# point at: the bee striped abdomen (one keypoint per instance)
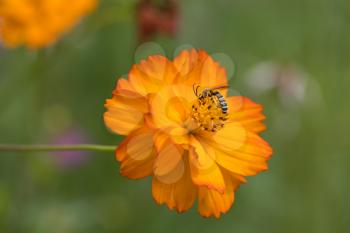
(222, 102)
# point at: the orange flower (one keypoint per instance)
(181, 132)
(38, 23)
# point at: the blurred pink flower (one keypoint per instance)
(70, 159)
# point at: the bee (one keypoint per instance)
(212, 92)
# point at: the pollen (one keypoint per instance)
(208, 113)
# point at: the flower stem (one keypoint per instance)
(72, 147)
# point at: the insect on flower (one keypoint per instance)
(210, 99)
(182, 129)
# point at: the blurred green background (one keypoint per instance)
(57, 95)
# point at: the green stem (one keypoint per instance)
(75, 147)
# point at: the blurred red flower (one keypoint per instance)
(156, 18)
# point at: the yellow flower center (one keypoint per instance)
(210, 111)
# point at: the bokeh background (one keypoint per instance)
(291, 56)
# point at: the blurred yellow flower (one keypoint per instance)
(196, 142)
(39, 23)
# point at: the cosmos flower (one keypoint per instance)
(39, 23)
(183, 130)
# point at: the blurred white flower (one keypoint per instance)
(293, 87)
(289, 80)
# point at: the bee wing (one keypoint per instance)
(220, 87)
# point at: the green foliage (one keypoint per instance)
(44, 94)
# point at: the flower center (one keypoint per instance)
(210, 110)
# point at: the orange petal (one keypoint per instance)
(179, 195)
(241, 152)
(246, 112)
(137, 154)
(120, 120)
(187, 60)
(204, 170)
(197, 67)
(177, 109)
(232, 136)
(125, 111)
(212, 74)
(160, 138)
(168, 159)
(213, 203)
(151, 74)
(236, 163)
(126, 102)
(170, 109)
(124, 87)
